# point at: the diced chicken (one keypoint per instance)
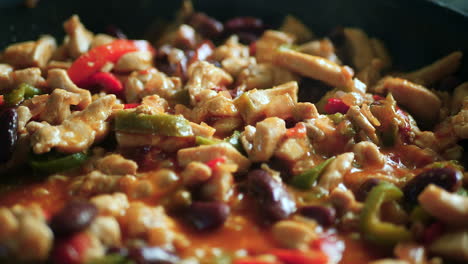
(452, 245)
(304, 111)
(134, 61)
(293, 234)
(420, 101)
(54, 64)
(344, 201)
(150, 82)
(278, 101)
(12, 79)
(25, 228)
(359, 47)
(79, 38)
(57, 107)
(94, 183)
(436, 71)
(24, 115)
(77, 132)
(293, 26)
(322, 48)
(111, 204)
(368, 154)
(205, 76)
(231, 49)
(266, 138)
(448, 207)
(335, 171)
(30, 53)
(140, 219)
(152, 104)
(293, 149)
(107, 230)
(207, 153)
(101, 39)
(115, 164)
(315, 67)
(202, 130)
(360, 120)
(459, 122)
(268, 44)
(58, 78)
(195, 173)
(458, 97)
(218, 106)
(219, 187)
(411, 252)
(264, 75)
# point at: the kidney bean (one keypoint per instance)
(8, 133)
(205, 25)
(272, 199)
(244, 24)
(152, 255)
(71, 250)
(337, 36)
(325, 216)
(247, 38)
(446, 178)
(74, 217)
(207, 215)
(365, 188)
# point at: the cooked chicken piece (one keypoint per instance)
(344, 201)
(359, 48)
(335, 171)
(134, 61)
(420, 101)
(231, 49)
(111, 204)
(115, 164)
(436, 71)
(268, 45)
(293, 234)
(150, 82)
(322, 48)
(411, 252)
(293, 26)
(219, 186)
(235, 66)
(218, 106)
(24, 115)
(205, 76)
(264, 75)
(266, 138)
(57, 106)
(278, 101)
(54, 64)
(107, 230)
(368, 154)
(5, 80)
(448, 207)
(152, 104)
(77, 132)
(458, 97)
(12, 79)
(25, 228)
(459, 122)
(205, 153)
(30, 53)
(58, 78)
(315, 67)
(360, 120)
(202, 130)
(195, 173)
(101, 39)
(95, 183)
(452, 245)
(79, 38)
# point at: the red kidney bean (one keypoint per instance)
(206, 25)
(446, 178)
(272, 199)
(325, 216)
(8, 133)
(365, 188)
(207, 215)
(152, 255)
(247, 38)
(71, 250)
(74, 217)
(244, 24)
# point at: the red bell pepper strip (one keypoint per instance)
(2, 101)
(297, 131)
(71, 250)
(92, 61)
(253, 261)
(106, 80)
(214, 163)
(336, 105)
(289, 256)
(130, 106)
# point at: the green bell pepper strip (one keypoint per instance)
(111, 259)
(372, 227)
(307, 179)
(22, 92)
(206, 141)
(235, 141)
(53, 162)
(158, 124)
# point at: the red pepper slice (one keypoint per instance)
(289, 256)
(336, 105)
(377, 97)
(130, 106)
(92, 61)
(297, 131)
(2, 101)
(253, 261)
(214, 163)
(108, 82)
(71, 250)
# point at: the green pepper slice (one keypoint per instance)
(206, 141)
(372, 227)
(158, 124)
(22, 92)
(235, 141)
(307, 179)
(111, 259)
(53, 162)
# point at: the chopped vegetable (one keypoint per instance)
(206, 141)
(111, 259)
(53, 162)
(336, 105)
(307, 179)
(234, 140)
(109, 83)
(372, 227)
(23, 92)
(298, 131)
(158, 124)
(214, 163)
(131, 106)
(289, 256)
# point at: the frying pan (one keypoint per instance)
(416, 32)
